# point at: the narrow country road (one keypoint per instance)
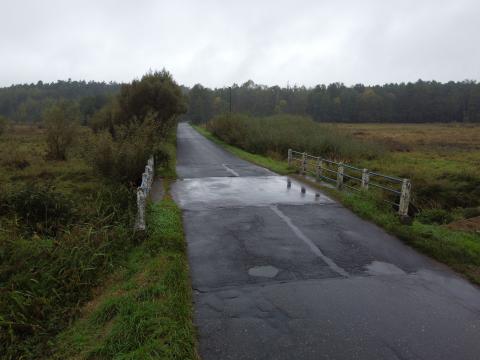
(278, 274)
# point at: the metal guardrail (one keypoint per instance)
(142, 193)
(397, 191)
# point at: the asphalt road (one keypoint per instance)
(278, 274)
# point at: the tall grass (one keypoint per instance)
(145, 309)
(62, 229)
(47, 271)
(274, 135)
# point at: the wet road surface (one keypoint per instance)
(281, 274)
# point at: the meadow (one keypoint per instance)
(443, 161)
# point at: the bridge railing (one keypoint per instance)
(142, 193)
(395, 191)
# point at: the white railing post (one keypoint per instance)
(340, 176)
(141, 203)
(142, 192)
(289, 157)
(144, 180)
(404, 198)
(304, 163)
(365, 179)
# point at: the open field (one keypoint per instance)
(412, 137)
(443, 161)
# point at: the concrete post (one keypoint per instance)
(404, 198)
(365, 179)
(340, 176)
(289, 157)
(141, 203)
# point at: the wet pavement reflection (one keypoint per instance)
(213, 192)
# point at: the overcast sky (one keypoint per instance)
(217, 43)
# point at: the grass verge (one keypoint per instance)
(460, 250)
(144, 311)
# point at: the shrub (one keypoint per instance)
(61, 124)
(133, 125)
(157, 96)
(471, 212)
(435, 216)
(40, 209)
(105, 118)
(276, 134)
(124, 159)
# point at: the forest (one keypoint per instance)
(419, 102)
(26, 102)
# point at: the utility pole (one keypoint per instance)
(230, 88)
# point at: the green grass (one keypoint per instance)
(146, 310)
(460, 250)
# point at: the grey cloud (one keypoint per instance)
(217, 42)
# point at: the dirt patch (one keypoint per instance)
(472, 224)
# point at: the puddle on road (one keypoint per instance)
(383, 268)
(198, 193)
(263, 271)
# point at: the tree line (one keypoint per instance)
(27, 102)
(419, 102)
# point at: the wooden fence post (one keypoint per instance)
(289, 157)
(340, 176)
(404, 198)
(304, 163)
(365, 179)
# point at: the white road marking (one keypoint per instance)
(231, 171)
(331, 264)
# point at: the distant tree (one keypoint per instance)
(281, 106)
(201, 104)
(61, 122)
(89, 105)
(26, 103)
(3, 124)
